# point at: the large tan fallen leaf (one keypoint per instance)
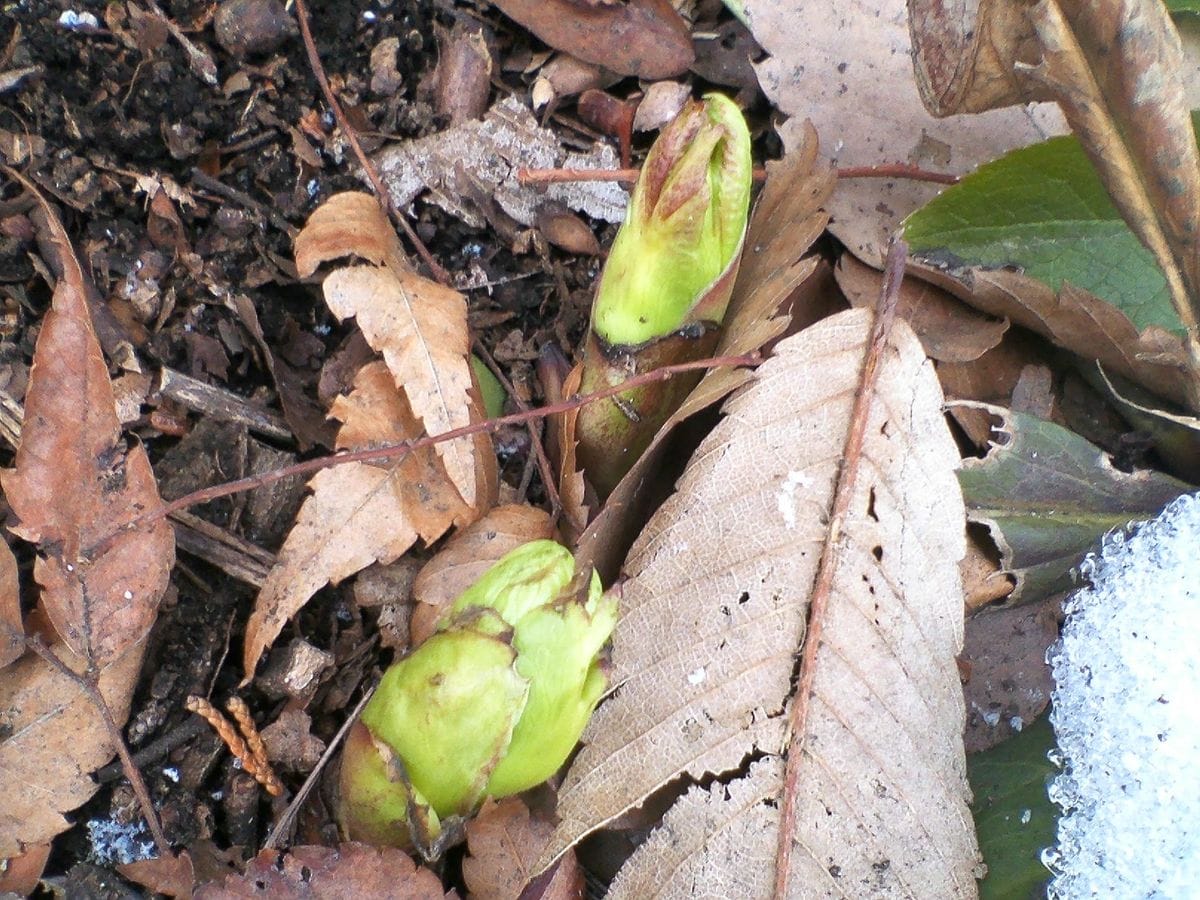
(788, 217)
(53, 739)
(358, 513)
(467, 555)
(419, 326)
(76, 481)
(847, 67)
(713, 617)
(329, 873)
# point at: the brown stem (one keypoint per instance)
(885, 315)
(91, 688)
(318, 70)
(402, 449)
(629, 176)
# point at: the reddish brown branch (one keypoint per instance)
(381, 192)
(885, 315)
(395, 452)
(629, 176)
(91, 688)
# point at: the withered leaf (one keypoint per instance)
(12, 629)
(329, 873)
(358, 513)
(505, 843)
(851, 74)
(53, 739)
(76, 482)
(949, 330)
(713, 616)
(419, 326)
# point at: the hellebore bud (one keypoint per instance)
(490, 705)
(667, 282)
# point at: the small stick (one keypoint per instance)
(285, 821)
(381, 192)
(885, 315)
(629, 176)
(92, 689)
(399, 451)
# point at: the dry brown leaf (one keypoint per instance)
(53, 739)
(12, 629)
(358, 513)
(20, 875)
(330, 873)
(712, 620)
(949, 330)
(1116, 67)
(1073, 319)
(788, 217)
(174, 876)
(76, 481)
(851, 73)
(419, 326)
(467, 555)
(505, 842)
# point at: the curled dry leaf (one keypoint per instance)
(949, 330)
(646, 38)
(852, 75)
(713, 616)
(505, 843)
(53, 739)
(1074, 319)
(419, 326)
(788, 217)
(1047, 495)
(76, 482)
(359, 513)
(467, 555)
(329, 873)
(1116, 68)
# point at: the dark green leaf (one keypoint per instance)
(1014, 818)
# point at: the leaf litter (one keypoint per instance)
(703, 657)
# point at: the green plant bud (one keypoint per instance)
(490, 388)
(667, 283)
(490, 705)
(684, 227)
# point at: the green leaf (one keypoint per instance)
(1183, 6)
(1042, 209)
(1047, 495)
(1014, 817)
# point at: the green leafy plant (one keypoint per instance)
(490, 705)
(667, 282)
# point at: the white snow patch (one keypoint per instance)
(786, 498)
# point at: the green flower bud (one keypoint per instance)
(667, 283)
(490, 705)
(684, 227)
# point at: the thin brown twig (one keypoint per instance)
(285, 820)
(629, 176)
(535, 436)
(381, 192)
(91, 688)
(398, 451)
(885, 315)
